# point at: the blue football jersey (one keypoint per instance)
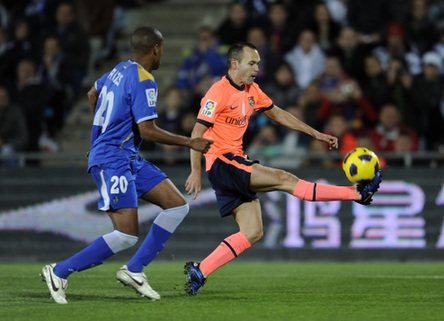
(128, 96)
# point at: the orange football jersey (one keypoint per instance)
(226, 109)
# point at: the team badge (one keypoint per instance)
(209, 107)
(115, 200)
(251, 101)
(151, 96)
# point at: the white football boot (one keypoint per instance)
(138, 281)
(56, 285)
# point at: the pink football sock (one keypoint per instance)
(228, 250)
(323, 192)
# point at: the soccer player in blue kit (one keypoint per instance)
(123, 102)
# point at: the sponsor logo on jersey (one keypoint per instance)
(239, 122)
(151, 96)
(251, 101)
(209, 107)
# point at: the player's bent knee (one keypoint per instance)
(254, 236)
(170, 218)
(118, 241)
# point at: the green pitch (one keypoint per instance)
(239, 291)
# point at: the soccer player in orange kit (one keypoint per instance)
(223, 117)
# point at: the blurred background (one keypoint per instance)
(367, 71)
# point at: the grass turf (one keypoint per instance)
(239, 291)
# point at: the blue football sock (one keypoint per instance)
(89, 257)
(151, 246)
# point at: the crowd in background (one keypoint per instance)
(367, 71)
(48, 49)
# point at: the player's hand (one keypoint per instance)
(332, 141)
(193, 184)
(201, 144)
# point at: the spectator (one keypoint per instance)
(294, 145)
(171, 110)
(338, 11)
(202, 66)
(389, 129)
(331, 77)
(13, 131)
(279, 30)
(325, 29)
(257, 10)
(374, 84)
(49, 71)
(420, 32)
(351, 52)
(349, 101)
(33, 97)
(310, 101)
(300, 14)
(400, 82)
(306, 59)
(235, 27)
(282, 89)
(98, 15)
(75, 48)
(337, 126)
(265, 144)
(20, 45)
(404, 143)
(396, 46)
(427, 92)
(369, 18)
(270, 58)
(318, 151)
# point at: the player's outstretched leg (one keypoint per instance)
(369, 188)
(138, 281)
(56, 285)
(194, 278)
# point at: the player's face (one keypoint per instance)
(249, 65)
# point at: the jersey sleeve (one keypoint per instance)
(101, 82)
(263, 101)
(144, 101)
(211, 105)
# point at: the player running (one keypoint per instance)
(223, 117)
(123, 102)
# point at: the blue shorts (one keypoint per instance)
(230, 177)
(121, 186)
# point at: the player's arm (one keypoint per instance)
(93, 96)
(193, 183)
(286, 119)
(149, 131)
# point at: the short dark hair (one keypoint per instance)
(143, 39)
(235, 51)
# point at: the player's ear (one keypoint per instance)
(156, 50)
(234, 64)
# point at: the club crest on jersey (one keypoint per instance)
(209, 107)
(151, 96)
(251, 101)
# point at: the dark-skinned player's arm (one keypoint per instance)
(93, 96)
(149, 131)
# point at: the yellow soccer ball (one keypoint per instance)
(360, 164)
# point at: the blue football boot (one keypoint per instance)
(195, 278)
(368, 188)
